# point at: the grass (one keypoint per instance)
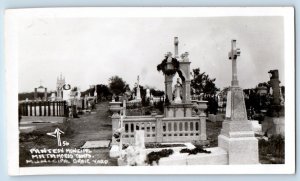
(89, 127)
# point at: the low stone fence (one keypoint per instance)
(43, 108)
(160, 129)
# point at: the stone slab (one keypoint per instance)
(243, 150)
(257, 128)
(27, 129)
(174, 159)
(273, 126)
(41, 119)
(212, 117)
(114, 151)
(220, 117)
(218, 156)
(96, 144)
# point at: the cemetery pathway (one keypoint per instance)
(94, 126)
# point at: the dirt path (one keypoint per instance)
(89, 127)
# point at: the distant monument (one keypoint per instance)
(36, 98)
(138, 91)
(181, 105)
(60, 82)
(237, 136)
(148, 94)
(273, 123)
(178, 88)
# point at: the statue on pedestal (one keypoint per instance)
(178, 88)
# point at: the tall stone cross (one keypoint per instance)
(232, 55)
(176, 42)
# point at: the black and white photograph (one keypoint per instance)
(150, 90)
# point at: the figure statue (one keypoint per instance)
(178, 88)
(169, 57)
(185, 57)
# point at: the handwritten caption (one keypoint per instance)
(64, 156)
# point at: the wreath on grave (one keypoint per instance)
(163, 67)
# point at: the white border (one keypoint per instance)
(13, 16)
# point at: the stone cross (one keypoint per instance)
(232, 55)
(176, 42)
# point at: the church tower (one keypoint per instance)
(59, 86)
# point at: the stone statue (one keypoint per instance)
(169, 57)
(177, 91)
(185, 57)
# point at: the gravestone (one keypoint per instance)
(177, 99)
(273, 123)
(237, 136)
(138, 91)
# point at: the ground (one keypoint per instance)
(97, 126)
(89, 127)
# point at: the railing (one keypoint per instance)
(43, 108)
(159, 129)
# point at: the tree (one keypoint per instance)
(103, 91)
(203, 84)
(156, 93)
(117, 85)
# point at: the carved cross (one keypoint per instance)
(232, 55)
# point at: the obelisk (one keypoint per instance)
(237, 136)
(138, 91)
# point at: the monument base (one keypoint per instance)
(179, 110)
(241, 150)
(273, 126)
(114, 151)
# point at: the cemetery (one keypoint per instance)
(140, 127)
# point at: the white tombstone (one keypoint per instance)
(177, 99)
(139, 138)
(53, 97)
(148, 93)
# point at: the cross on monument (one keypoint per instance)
(232, 55)
(41, 82)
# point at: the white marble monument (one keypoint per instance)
(237, 136)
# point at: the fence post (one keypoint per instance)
(34, 106)
(30, 108)
(202, 126)
(21, 109)
(25, 109)
(49, 110)
(53, 108)
(58, 108)
(45, 108)
(66, 109)
(159, 129)
(40, 108)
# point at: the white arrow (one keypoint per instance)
(56, 134)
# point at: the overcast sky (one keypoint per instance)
(90, 50)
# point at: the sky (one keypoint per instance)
(89, 51)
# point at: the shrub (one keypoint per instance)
(194, 151)
(155, 156)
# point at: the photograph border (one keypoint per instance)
(12, 16)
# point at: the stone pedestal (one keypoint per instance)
(138, 94)
(237, 136)
(273, 126)
(115, 118)
(168, 87)
(178, 110)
